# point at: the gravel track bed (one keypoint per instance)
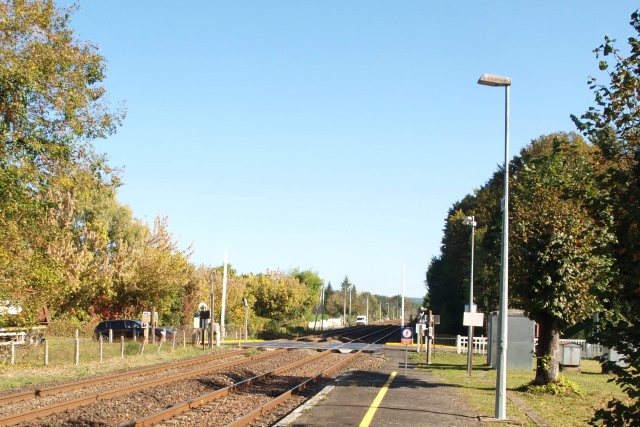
(224, 411)
(40, 402)
(134, 405)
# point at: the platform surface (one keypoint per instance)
(414, 397)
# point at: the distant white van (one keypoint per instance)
(361, 320)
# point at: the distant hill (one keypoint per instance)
(416, 301)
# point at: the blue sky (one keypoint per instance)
(331, 135)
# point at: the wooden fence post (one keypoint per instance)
(77, 348)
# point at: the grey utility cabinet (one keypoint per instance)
(520, 341)
(570, 357)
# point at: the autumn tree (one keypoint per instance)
(156, 276)
(279, 298)
(613, 125)
(52, 105)
(560, 241)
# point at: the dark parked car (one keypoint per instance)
(125, 328)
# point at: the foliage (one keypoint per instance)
(560, 240)
(561, 386)
(51, 106)
(314, 284)
(560, 233)
(278, 297)
(65, 242)
(447, 276)
(613, 126)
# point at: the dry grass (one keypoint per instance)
(29, 367)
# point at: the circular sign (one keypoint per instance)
(202, 306)
(406, 333)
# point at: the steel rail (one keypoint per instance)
(64, 406)
(183, 407)
(189, 405)
(341, 333)
(392, 328)
(47, 391)
(275, 402)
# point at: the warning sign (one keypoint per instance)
(407, 336)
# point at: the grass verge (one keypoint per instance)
(562, 410)
(29, 368)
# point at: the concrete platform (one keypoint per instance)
(412, 397)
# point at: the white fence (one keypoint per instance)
(479, 344)
(327, 324)
(589, 351)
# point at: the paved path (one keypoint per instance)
(413, 397)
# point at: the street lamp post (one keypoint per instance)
(501, 381)
(470, 220)
(344, 309)
(246, 318)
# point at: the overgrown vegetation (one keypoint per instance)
(574, 238)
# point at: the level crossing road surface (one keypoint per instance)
(394, 395)
(315, 345)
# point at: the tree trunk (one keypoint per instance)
(548, 351)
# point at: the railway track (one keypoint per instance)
(66, 397)
(225, 392)
(77, 385)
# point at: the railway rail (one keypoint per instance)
(253, 385)
(77, 385)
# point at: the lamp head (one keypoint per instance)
(470, 220)
(493, 80)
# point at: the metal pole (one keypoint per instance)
(315, 324)
(402, 313)
(501, 382)
(471, 310)
(211, 316)
(344, 309)
(322, 308)
(223, 308)
(367, 308)
(246, 322)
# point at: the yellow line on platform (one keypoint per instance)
(374, 406)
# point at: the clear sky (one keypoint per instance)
(332, 135)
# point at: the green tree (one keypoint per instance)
(447, 277)
(560, 241)
(278, 297)
(613, 124)
(156, 276)
(335, 305)
(52, 106)
(314, 284)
